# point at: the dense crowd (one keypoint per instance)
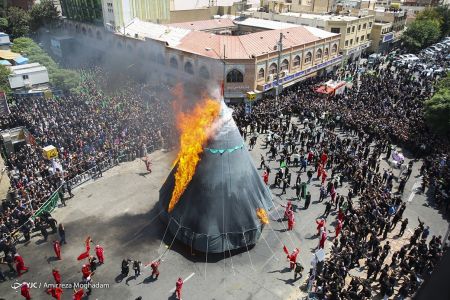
(87, 128)
(344, 138)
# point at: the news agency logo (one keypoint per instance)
(31, 285)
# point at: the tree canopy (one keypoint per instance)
(18, 22)
(4, 82)
(421, 34)
(43, 13)
(61, 78)
(437, 108)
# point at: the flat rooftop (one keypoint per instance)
(320, 17)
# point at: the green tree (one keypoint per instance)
(444, 12)
(4, 82)
(421, 34)
(437, 111)
(43, 13)
(18, 21)
(3, 24)
(60, 78)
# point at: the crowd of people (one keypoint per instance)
(87, 127)
(344, 139)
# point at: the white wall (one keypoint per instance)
(34, 78)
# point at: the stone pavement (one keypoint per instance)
(118, 212)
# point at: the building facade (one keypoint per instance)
(87, 11)
(244, 63)
(354, 31)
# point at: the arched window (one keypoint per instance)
(173, 63)
(308, 57)
(235, 76)
(334, 49)
(273, 68)
(325, 53)
(189, 68)
(319, 54)
(284, 65)
(296, 61)
(203, 72)
(261, 73)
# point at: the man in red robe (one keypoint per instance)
(324, 176)
(291, 220)
(154, 267)
(293, 258)
(20, 265)
(324, 158)
(338, 228)
(99, 253)
(56, 276)
(86, 253)
(55, 292)
(323, 238)
(78, 294)
(319, 171)
(178, 287)
(266, 177)
(320, 223)
(288, 208)
(57, 249)
(25, 291)
(86, 270)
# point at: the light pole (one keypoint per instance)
(224, 68)
(280, 49)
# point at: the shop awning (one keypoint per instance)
(7, 54)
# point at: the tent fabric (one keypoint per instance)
(217, 211)
(5, 63)
(21, 60)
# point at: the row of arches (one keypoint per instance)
(189, 68)
(297, 61)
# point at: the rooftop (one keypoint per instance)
(266, 24)
(26, 69)
(205, 24)
(320, 17)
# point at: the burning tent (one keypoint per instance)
(223, 206)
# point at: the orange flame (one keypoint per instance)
(262, 215)
(193, 127)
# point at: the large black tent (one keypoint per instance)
(217, 211)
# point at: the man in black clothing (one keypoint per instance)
(402, 229)
(327, 209)
(307, 200)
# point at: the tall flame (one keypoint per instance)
(262, 215)
(193, 127)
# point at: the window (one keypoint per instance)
(308, 57)
(273, 68)
(173, 63)
(325, 53)
(346, 43)
(362, 38)
(348, 30)
(353, 29)
(261, 73)
(319, 54)
(334, 48)
(368, 36)
(364, 25)
(351, 42)
(297, 61)
(335, 30)
(370, 25)
(203, 72)
(357, 40)
(235, 76)
(189, 68)
(359, 27)
(24, 77)
(284, 65)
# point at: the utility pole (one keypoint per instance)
(224, 74)
(280, 49)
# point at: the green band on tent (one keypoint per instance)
(221, 151)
